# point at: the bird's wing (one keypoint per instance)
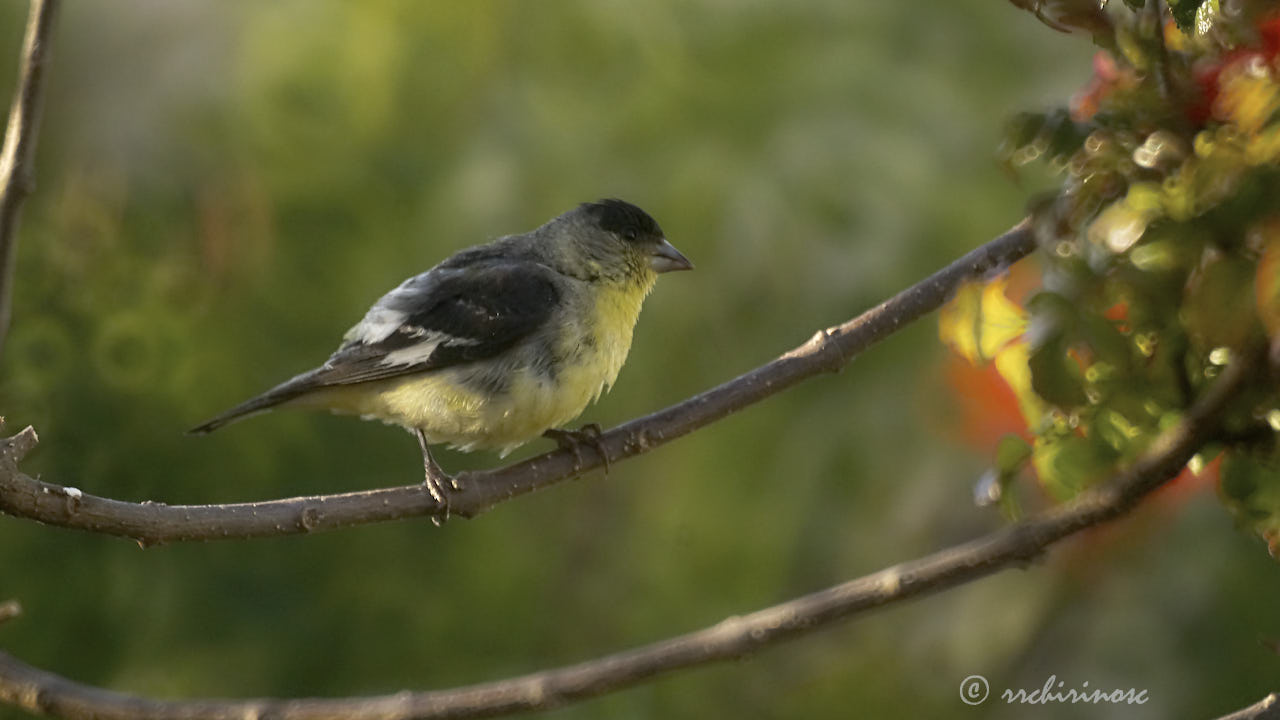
(444, 317)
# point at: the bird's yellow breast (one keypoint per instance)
(545, 381)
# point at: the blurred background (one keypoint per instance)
(224, 187)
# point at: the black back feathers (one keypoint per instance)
(461, 318)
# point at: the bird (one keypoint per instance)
(497, 344)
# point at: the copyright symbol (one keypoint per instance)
(974, 690)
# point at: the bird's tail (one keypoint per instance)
(278, 395)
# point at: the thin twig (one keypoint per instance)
(13, 449)
(17, 160)
(39, 691)
(828, 351)
(1160, 60)
(1268, 708)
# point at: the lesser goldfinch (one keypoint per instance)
(497, 344)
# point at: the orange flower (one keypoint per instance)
(1108, 77)
(988, 407)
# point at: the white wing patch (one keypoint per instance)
(420, 352)
(377, 325)
(389, 313)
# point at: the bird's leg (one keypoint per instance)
(438, 482)
(572, 440)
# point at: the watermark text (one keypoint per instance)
(975, 689)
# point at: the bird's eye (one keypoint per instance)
(630, 234)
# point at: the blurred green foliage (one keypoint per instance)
(224, 188)
(1161, 252)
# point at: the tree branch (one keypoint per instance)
(1268, 708)
(9, 610)
(827, 351)
(17, 171)
(42, 692)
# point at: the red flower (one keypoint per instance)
(1208, 77)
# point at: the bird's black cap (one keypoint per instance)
(623, 218)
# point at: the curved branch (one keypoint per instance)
(17, 172)
(828, 351)
(39, 691)
(1268, 708)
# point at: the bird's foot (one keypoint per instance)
(438, 487)
(438, 482)
(441, 485)
(573, 440)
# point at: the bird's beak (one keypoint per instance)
(666, 258)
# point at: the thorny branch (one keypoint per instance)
(828, 351)
(42, 692)
(17, 171)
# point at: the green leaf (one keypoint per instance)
(1184, 13)
(1219, 310)
(1107, 342)
(1071, 463)
(1251, 489)
(1011, 454)
(1032, 136)
(1056, 377)
(1239, 478)
(1206, 15)
(1117, 431)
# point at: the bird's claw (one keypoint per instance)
(438, 482)
(440, 487)
(573, 440)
